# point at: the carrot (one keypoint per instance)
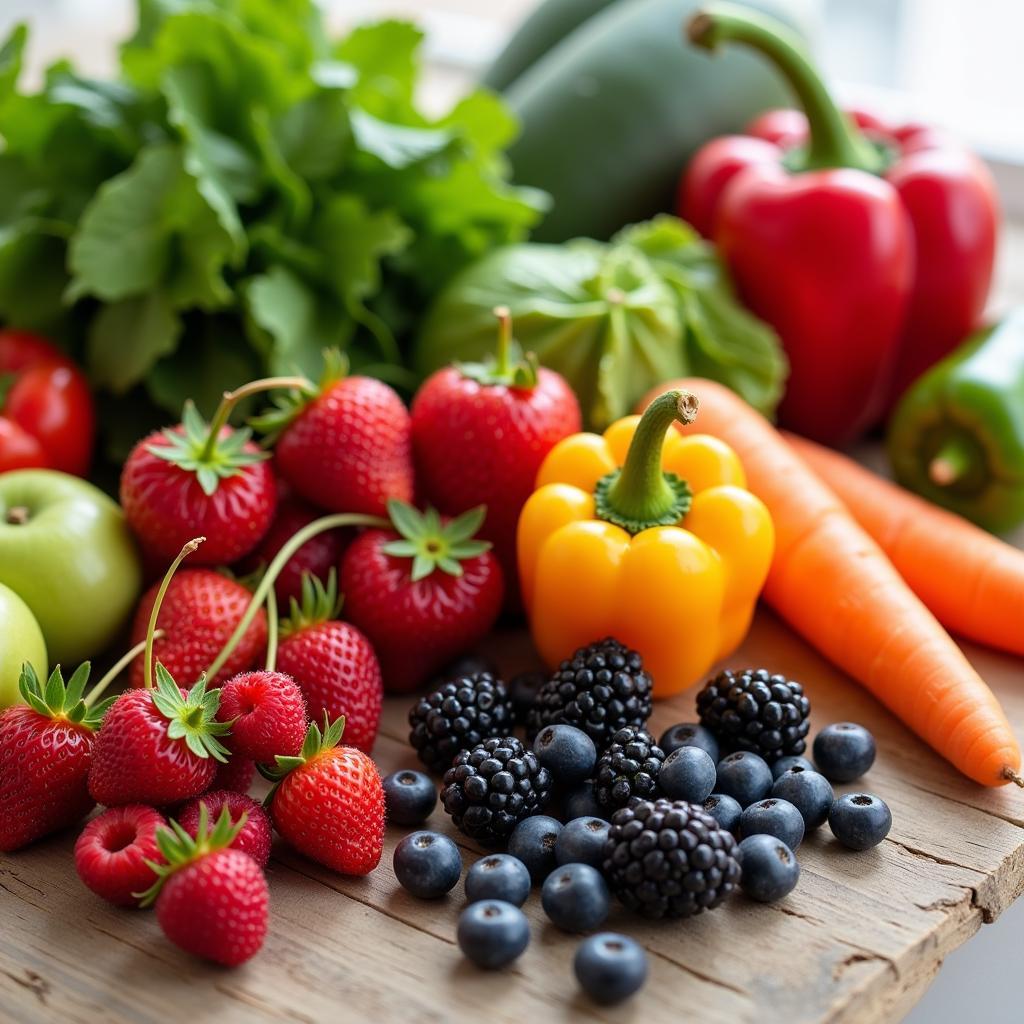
(834, 585)
(972, 582)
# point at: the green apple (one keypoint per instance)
(67, 552)
(21, 640)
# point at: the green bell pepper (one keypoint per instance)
(957, 436)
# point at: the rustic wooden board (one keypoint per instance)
(859, 939)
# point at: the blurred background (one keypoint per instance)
(954, 63)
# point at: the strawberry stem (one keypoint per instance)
(272, 630)
(318, 526)
(504, 315)
(231, 398)
(117, 668)
(187, 550)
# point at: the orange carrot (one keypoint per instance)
(834, 585)
(972, 582)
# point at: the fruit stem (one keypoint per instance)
(1011, 776)
(147, 671)
(950, 463)
(17, 516)
(231, 398)
(318, 526)
(117, 668)
(504, 315)
(272, 630)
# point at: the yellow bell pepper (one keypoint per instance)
(647, 536)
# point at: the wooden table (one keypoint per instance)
(858, 940)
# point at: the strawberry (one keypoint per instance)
(113, 852)
(200, 610)
(423, 593)
(333, 663)
(158, 746)
(267, 713)
(480, 433)
(211, 900)
(198, 478)
(317, 556)
(347, 448)
(328, 802)
(254, 833)
(46, 746)
(235, 774)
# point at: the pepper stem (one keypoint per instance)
(318, 526)
(951, 462)
(117, 668)
(147, 671)
(231, 398)
(835, 141)
(640, 495)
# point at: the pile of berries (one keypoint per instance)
(670, 826)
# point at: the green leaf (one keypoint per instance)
(11, 51)
(315, 136)
(127, 338)
(384, 57)
(397, 145)
(32, 276)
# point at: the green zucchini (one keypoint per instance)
(545, 26)
(611, 114)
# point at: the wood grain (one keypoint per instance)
(859, 939)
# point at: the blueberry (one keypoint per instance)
(770, 868)
(428, 864)
(725, 810)
(744, 776)
(411, 797)
(533, 842)
(785, 763)
(581, 841)
(582, 803)
(687, 774)
(610, 967)
(567, 752)
(810, 793)
(498, 876)
(844, 751)
(492, 933)
(773, 817)
(575, 897)
(860, 820)
(689, 734)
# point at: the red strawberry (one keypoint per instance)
(46, 746)
(198, 478)
(157, 746)
(211, 901)
(254, 835)
(333, 663)
(480, 433)
(200, 611)
(267, 714)
(317, 556)
(235, 774)
(348, 448)
(423, 593)
(112, 852)
(328, 803)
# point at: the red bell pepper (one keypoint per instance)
(47, 417)
(869, 248)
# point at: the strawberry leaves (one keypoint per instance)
(196, 448)
(433, 544)
(192, 718)
(60, 700)
(315, 743)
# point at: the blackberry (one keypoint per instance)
(754, 710)
(668, 858)
(601, 689)
(488, 790)
(457, 716)
(628, 768)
